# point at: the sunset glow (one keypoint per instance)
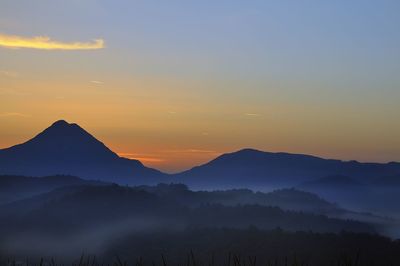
(271, 75)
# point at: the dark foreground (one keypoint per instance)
(234, 247)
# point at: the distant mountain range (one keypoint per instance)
(104, 219)
(13, 187)
(82, 207)
(30, 190)
(67, 149)
(23, 194)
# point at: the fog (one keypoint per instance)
(93, 241)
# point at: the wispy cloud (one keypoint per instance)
(252, 114)
(45, 43)
(14, 114)
(147, 159)
(96, 82)
(140, 157)
(201, 151)
(123, 154)
(10, 74)
(191, 151)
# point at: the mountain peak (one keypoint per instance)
(65, 130)
(61, 123)
(64, 125)
(249, 150)
(64, 141)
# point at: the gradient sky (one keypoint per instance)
(176, 83)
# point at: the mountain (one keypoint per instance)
(392, 182)
(68, 149)
(333, 182)
(263, 170)
(14, 187)
(286, 199)
(82, 208)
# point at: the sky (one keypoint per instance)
(177, 83)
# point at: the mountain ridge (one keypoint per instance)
(67, 149)
(280, 169)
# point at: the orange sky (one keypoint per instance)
(177, 84)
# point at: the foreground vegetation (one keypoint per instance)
(233, 247)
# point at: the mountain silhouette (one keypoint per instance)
(257, 169)
(65, 148)
(82, 208)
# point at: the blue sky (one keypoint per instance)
(281, 74)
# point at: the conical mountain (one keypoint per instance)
(65, 148)
(63, 141)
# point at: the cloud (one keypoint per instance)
(140, 157)
(147, 159)
(252, 114)
(125, 154)
(14, 114)
(191, 151)
(96, 82)
(9, 74)
(200, 151)
(45, 43)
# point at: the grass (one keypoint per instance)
(191, 260)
